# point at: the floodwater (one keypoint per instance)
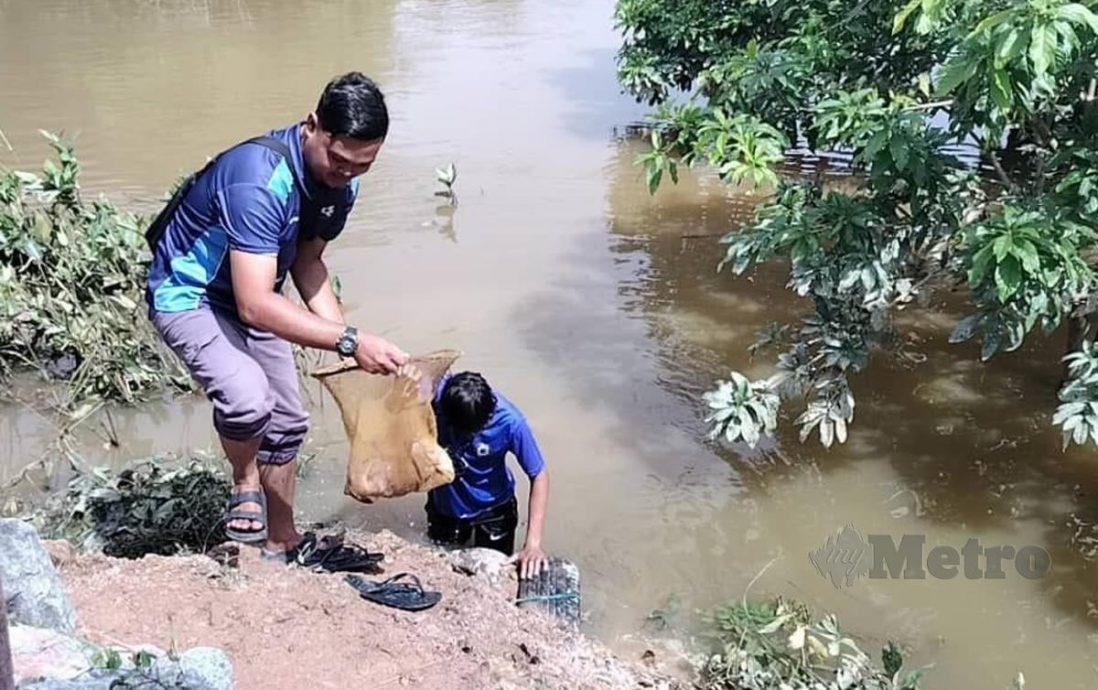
(595, 307)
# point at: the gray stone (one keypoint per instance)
(201, 668)
(39, 653)
(50, 660)
(31, 584)
(98, 682)
(479, 561)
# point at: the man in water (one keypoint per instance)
(260, 211)
(478, 427)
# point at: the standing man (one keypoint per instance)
(261, 210)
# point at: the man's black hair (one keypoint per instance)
(467, 402)
(353, 106)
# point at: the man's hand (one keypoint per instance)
(531, 561)
(378, 356)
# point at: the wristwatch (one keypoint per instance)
(348, 342)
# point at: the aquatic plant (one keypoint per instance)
(778, 645)
(447, 177)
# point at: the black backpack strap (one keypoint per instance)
(159, 224)
(280, 147)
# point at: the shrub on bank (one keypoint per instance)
(155, 506)
(72, 279)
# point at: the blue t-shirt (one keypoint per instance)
(251, 200)
(482, 478)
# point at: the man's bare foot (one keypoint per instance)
(283, 545)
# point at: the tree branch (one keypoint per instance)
(995, 163)
(931, 106)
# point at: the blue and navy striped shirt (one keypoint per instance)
(247, 200)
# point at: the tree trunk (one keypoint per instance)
(7, 672)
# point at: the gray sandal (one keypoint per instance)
(247, 536)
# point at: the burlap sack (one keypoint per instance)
(391, 426)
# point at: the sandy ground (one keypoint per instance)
(288, 628)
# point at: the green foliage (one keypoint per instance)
(902, 88)
(72, 280)
(1024, 266)
(134, 671)
(1078, 411)
(741, 409)
(148, 508)
(778, 646)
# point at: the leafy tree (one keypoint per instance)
(903, 89)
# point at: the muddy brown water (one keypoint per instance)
(595, 307)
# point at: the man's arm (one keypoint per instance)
(531, 559)
(253, 277)
(311, 278)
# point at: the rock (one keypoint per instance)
(201, 668)
(40, 653)
(479, 561)
(48, 660)
(95, 681)
(31, 585)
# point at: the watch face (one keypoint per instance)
(346, 347)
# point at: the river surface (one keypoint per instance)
(595, 307)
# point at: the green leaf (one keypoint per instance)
(981, 263)
(954, 74)
(991, 22)
(655, 174)
(1042, 44)
(1079, 14)
(1001, 91)
(990, 346)
(898, 148)
(1008, 278)
(1009, 48)
(902, 15)
(965, 329)
(1027, 253)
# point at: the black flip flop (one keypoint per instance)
(234, 512)
(408, 596)
(333, 557)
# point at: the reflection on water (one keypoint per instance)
(594, 306)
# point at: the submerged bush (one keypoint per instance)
(152, 507)
(72, 280)
(778, 646)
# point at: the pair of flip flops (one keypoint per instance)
(328, 554)
(403, 591)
